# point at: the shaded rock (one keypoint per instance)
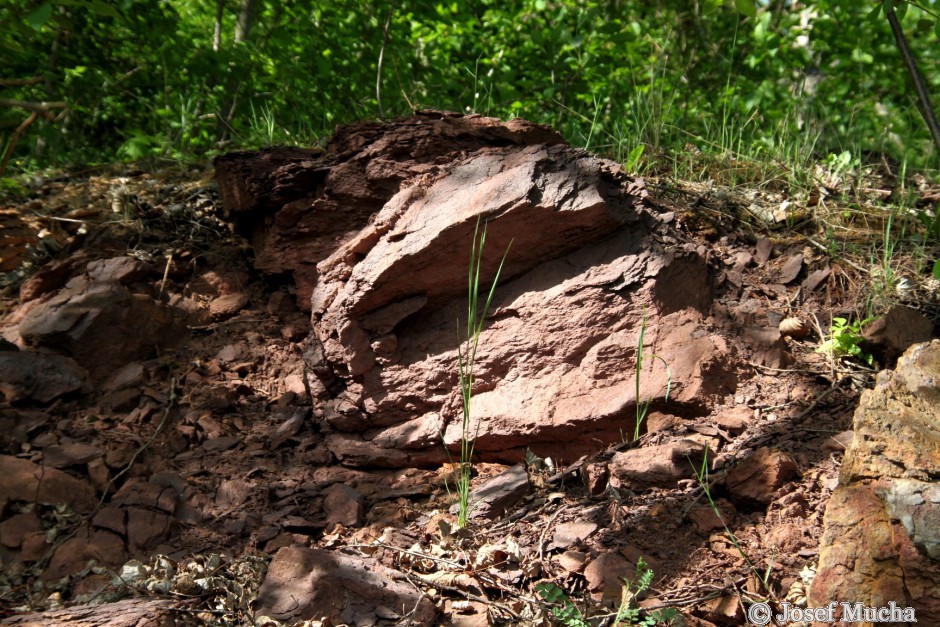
(344, 505)
(102, 326)
(15, 528)
(73, 454)
(595, 477)
(656, 466)
(892, 334)
(122, 270)
(22, 480)
(755, 480)
(762, 250)
(40, 377)
(881, 541)
(310, 584)
(130, 376)
(554, 369)
(790, 268)
(815, 279)
(146, 528)
(498, 494)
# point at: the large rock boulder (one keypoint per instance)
(882, 538)
(297, 205)
(589, 260)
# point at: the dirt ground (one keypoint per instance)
(225, 412)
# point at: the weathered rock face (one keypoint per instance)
(882, 538)
(554, 371)
(298, 205)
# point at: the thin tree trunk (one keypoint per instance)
(246, 17)
(217, 35)
(920, 87)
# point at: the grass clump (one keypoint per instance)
(643, 407)
(466, 358)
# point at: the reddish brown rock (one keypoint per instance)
(344, 505)
(887, 337)
(135, 612)
(72, 454)
(881, 542)
(86, 546)
(15, 528)
(22, 480)
(554, 370)
(755, 480)
(102, 326)
(605, 575)
(656, 466)
(39, 377)
(312, 584)
(323, 199)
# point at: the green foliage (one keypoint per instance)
(560, 606)
(466, 359)
(628, 614)
(844, 340)
(775, 79)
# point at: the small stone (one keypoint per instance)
(755, 479)
(569, 534)
(344, 505)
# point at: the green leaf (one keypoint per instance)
(99, 7)
(746, 7)
(936, 269)
(38, 17)
(634, 157)
(875, 14)
(11, 45)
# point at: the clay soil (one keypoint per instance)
(253, 461)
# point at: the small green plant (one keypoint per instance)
(466, 358)
(560, 606)
(643, 407)
(628, 613)
(844, 340)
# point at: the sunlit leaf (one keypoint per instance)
(746, 7)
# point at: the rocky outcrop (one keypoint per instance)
(588, 261)
(377, 230)
(882, 537)
(296, 206)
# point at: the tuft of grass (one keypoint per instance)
(466, 358)
(643, 407)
